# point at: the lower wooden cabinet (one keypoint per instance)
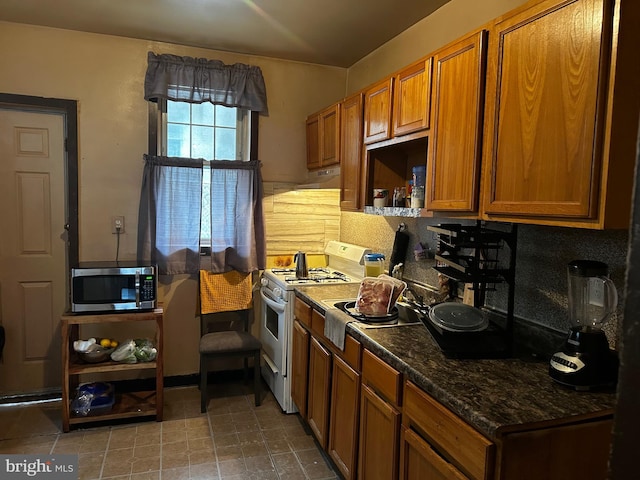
(418, 461)
(300, 367)
(319, 391)
(376, 426)
(379, 438)
(437, 444)
(456, 443)
(343, 421)
(547, 452)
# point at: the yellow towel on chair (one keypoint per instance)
(224, 292)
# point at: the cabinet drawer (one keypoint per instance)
(418, 461)
(352, 352)
(317, 323)
(381, 377)
(459, 443)
(352, 348)
(302, 312)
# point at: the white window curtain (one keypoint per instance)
(237, 225)
(170, 212)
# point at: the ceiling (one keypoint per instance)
(328, 32)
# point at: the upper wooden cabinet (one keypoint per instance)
(323, 133)
(399, 105)
(549, 117)
(313, 141)
(412, 98)
(455, 143)
(377, 111)
(351, 128)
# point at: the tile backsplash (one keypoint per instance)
(300, 219)
(542, 256)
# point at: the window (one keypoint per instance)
(204, 130)
(202, 158)
(207, 131)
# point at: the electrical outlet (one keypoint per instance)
(117, 224)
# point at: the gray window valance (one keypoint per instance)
(199, 80)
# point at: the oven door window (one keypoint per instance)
(271, 321)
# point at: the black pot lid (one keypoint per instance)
(458, 317)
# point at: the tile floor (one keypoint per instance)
(234, 440)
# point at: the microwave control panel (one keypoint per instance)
(148, 288)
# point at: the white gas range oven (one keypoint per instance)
(344, 265)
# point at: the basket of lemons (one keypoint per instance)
(95, 350)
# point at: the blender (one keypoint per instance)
(587, 362)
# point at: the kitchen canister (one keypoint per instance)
(380, 197)
(373, 264)
(417, 196)
(417, 192)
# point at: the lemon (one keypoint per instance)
(105, 342)
(114, 344)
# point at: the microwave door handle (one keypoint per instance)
(137, 288)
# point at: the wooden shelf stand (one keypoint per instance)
(127, 404)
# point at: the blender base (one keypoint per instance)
(586, 363)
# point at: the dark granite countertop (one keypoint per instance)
(494, 396)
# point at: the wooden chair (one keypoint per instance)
(227, 342)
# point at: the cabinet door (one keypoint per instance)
(418, 461)
(412, 98)
(343, 423)
(379, 438)
(455, 144)
(543, 453)
(319, 391)
(300, 367)
(377, 111)
(545, 92)
(313, 141)
(329, 136)
(351, 130)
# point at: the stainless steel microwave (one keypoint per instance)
(113, 286)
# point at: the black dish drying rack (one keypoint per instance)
(477, 255)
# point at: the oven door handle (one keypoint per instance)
(270, 364)
(277, 306)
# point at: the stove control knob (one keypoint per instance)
(264, 282)
(278, 292)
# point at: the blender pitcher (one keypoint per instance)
(587, 362)
(592, 295)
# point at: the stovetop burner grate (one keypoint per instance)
(315, 277)
(285, 271)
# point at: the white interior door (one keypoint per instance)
(33, 261)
